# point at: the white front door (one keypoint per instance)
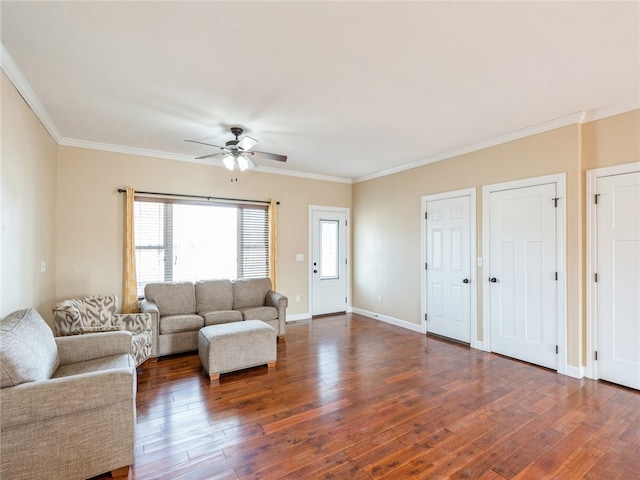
(448, 254)
(618, 278)
(521, 275)
(328, 261)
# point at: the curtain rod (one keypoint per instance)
(122, 190)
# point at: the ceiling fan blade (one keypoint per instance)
(270, 156)
(202, 143)
(209, 156)
(247, 143)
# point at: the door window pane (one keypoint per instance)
(329, 249)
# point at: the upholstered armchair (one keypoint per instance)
(68, 403)
(96, 314)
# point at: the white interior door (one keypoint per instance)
(521, 274)
(328, 262)
(448, 249)
(618, 278)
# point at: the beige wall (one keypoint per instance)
(387, 224)
(28, 202)
(59, 204)
(610, 141)
(90, 214)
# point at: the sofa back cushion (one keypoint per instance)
(29, 352)
(250, 292)
(172, 298)
(212, 295)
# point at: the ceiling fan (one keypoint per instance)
(236, 154)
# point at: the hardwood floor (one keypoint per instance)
(359, 399)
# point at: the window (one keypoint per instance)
(189, 241)
(329, 237)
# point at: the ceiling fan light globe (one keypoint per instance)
(243, 163)
(229, 162)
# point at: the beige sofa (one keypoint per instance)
(180, 309)
(68, 403)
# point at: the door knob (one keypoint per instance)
(315, 271)
(466, 280)
(493, 279)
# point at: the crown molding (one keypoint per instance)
(572, 119)
(610, 111)
(15, 75)
(108, 147)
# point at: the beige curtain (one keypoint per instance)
(272, 242)
(129, 281)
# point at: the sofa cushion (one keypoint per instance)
(213, 295)
(180, 323)
(172, 298)
(29, 352)
(250, 292)
(222, 316)
(259, 313)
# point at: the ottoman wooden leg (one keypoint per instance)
(214, 377)
(271, 364)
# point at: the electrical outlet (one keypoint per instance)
(297, 298)
(379, 298)
(43, 266)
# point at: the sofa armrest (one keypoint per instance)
(79, 348)
(280, 302)
(133, 322)
(33, 402)
(147, 306)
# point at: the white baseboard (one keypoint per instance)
(575, 372)
(393, 321)
(298, 316)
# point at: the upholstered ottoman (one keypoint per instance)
(237, 345)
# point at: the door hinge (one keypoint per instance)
(556, 276)
(596, 278)
(425, 317)
(557, 349)
(596, 355)
(555, 201)
(345, 299)
(425, 215)
(346, 223)
(426, 266)
(596, 197)
(346, 262)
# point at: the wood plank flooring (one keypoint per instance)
(353, 398)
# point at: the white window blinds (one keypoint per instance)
(188, 241)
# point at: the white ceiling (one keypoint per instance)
(345, 89)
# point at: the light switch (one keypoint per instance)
(299, 257)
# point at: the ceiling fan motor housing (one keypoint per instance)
(232, 144)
